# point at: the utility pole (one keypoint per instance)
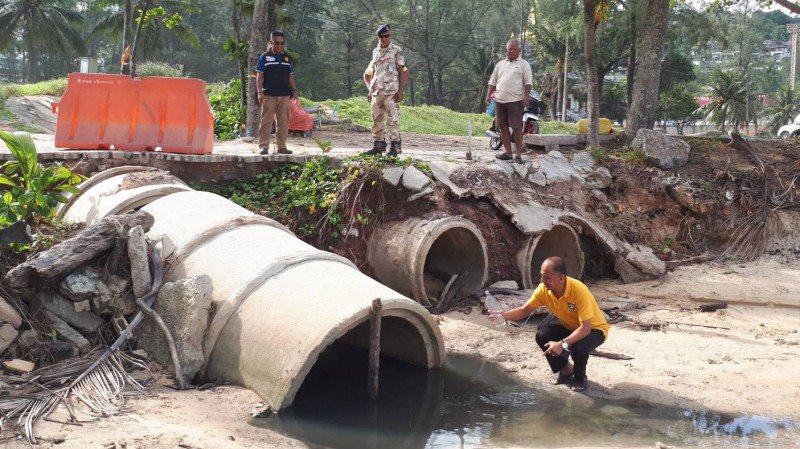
(794, 29)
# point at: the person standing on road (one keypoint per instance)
(385, 77)
(511, 82)
(576, 325)
(276, 88)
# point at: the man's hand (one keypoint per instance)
(495, 314)
(526, 101)
(488, 100)
(553, 348)
(398, 97)
(293, 94)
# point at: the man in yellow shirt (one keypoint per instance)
(576, 326)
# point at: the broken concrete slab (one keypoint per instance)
(392, 175)
(557, 168)
(661, 150)
(538, 178)
(629, 273)
(49, 267)
(687, 196)
(419, 195)
(9, 314)
(185, 307)
(19, 366)
(583, 161)
(503, 167)
(7, 336)
(534, 219)
(599, 178)
(414, 179)
(140, 266)
(65, 309)
(646, 261)
(441, 171)
(521, 170)
(67, 333)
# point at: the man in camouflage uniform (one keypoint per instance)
(385, 78)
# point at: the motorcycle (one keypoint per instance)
(530, 121)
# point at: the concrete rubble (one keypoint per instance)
(661, 150)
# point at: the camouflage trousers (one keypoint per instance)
(385, 108)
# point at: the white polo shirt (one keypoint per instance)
(509, 79)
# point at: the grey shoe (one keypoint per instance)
(264, 151)
(518, 159)
(284, 151)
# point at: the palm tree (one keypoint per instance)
(734, 100)
(783, 111)
(51, 24)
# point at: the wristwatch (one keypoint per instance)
(565, 345)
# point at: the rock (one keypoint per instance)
(7, 336)
(392, 175)
(419, 195)
(81, 285)
(184, 306)
(647, 262)
(65, 309)
(689, 197)
(82, 306)
(583, 161)
(521, 170)
(19, 365)
(9, 314)
(49, 267)
(29, 341)
(538, 178)
(628, 273)
(67, 333)
(557, 168)
(415, 180)
(598, 179)
(124, 304)
(60, 350)
(660, 150)
(140, 267)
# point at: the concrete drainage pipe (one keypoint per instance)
(429, 259)
(560, 240)
(279, 302)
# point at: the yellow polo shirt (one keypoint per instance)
(577, 305)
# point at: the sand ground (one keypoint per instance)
(748, 362)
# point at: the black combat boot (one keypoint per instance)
(378, 147)
(395, 149)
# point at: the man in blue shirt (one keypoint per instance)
(275, 81)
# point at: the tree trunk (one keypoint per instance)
(240, 66)
(642, 110)
(632, 57)
(592, 101)
(127, 18)
(31, 78)
(258, 44)
(136, 35)
(349, 46)
(559, 88)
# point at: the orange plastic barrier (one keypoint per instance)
(116, 111)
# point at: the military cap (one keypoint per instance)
(382, 29)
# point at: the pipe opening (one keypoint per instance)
(599, 261)
(456, 251)
(561, 241)
(400, 340)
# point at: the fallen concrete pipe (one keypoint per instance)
(279, 302)
(117, 191)
(560, 240)
(419, 257)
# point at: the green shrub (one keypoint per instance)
(631, 155)
(228, 111)
(152, 68)
(29, 189)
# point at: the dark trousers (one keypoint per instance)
(551, 330)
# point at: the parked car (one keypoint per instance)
(790, 130)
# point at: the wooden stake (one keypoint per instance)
(374, 347)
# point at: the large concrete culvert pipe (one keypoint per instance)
(425, 259)
(279, 302)
(560, 240)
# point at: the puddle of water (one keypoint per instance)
(472, 403)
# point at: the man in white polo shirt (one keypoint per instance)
(512, 81)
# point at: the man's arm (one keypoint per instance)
(489, 94)
(527, 98)
(403, 75)
(293, 86)
(260, 86)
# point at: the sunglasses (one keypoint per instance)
(384, 36)
(278, 43)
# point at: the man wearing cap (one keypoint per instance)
(276, 88)
(385, 77)
(511, 82)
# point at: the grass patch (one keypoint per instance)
(54, 87)
(630, 155)
(599, 154)
(428, 119)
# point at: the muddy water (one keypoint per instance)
(472, 403)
